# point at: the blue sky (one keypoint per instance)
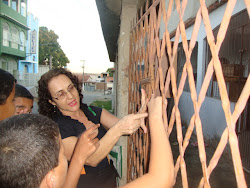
(77, 24)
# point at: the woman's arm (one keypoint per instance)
(161, 166)
(108, 120)
(69, 144)
(85, 146)
(127, 125)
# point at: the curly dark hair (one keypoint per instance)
(6, 84)
(45, 108)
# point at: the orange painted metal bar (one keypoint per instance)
(146, 71)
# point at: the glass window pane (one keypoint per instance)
(6, 34)
(15, 38)
(14, 5)
(6, 2)
(23, 8)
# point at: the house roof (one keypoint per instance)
(109, 11)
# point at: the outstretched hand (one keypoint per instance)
(87, 143)
(143, 109)
(130, 123)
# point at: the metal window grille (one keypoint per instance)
(148, 52)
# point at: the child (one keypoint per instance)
(23, 100)
(32, 154)
(7, 92)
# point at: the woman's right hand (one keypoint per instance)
(87, 143)
(129, 124)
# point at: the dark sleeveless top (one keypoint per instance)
(71, 127)
(103, 175)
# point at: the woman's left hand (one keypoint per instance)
(130, 123)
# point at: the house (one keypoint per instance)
(30, 64)
(137, 62)
(14, 28)
(20, 42)
(98, 82)
(28, 72)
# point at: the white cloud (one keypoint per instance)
(77, 24)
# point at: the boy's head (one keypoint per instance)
(7, 92)
(23, 99)
(31, 152)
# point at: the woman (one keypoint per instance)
(7, 93)
(60, 99)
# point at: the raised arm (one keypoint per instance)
(85, 146)
(161, 166)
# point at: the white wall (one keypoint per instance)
(211, 113)
(192, 8)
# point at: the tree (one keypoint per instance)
(48, 46)
(110, 71)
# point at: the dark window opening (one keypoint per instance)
(234, 57)
(181, 60)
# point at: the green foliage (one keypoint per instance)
(48, 46)
(110, 71)
(103, 104)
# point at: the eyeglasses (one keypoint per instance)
(62, 94)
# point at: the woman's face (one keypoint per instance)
(8, 108)
(64, 94)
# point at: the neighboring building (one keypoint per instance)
(30, 64)
(13, 27)
(19, 42)
(98, 82)
(28, 70)
(107, 77)
(79, 76)
(100, 79)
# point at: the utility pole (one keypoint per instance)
(83, 63)
(50, 62)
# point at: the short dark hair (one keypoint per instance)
(29, 149)
(7, 82)
(21, 91)
(45, 108)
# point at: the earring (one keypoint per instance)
(54, 108)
